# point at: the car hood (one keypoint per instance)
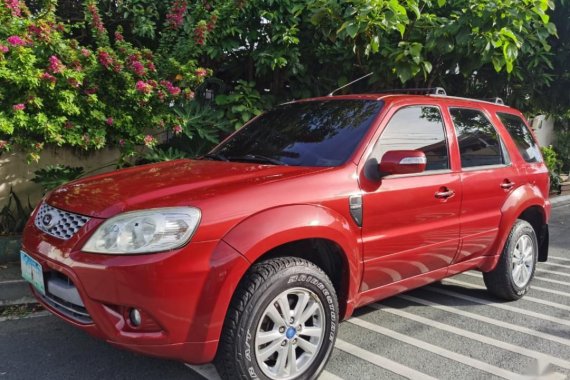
(173, 183)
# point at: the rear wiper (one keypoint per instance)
(215, 156)
(257, 158)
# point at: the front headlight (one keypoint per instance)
(147, 231)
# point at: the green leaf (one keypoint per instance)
(498, 63)
(401, 28)
(552, 29)
(404, 73)
(352, 30)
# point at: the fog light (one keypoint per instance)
(135, 317)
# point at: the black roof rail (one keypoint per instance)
(496, 100)
(416, 91)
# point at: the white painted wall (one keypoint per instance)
(543, 128)
(15, 171)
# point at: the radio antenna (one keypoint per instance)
(348, 84)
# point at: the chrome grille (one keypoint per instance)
(58, 223)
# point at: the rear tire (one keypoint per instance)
(281, 324)
(513, 274)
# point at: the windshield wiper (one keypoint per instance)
(258, 158)
(215, 156)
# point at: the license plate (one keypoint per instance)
(32, 272)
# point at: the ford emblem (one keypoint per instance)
(50, 219)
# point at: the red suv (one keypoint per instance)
(252, 255)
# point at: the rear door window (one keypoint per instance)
(522, 137)
(479, 142)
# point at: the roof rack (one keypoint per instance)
(417, 91)
(494, 100)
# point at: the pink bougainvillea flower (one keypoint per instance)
(121, 142)
(150, 66)
(175, 16)
(4, 48)
(212, 23)
(96, 18)
(119, 36)
(77, 66)
(74, 83)
(143, 87)
(48, 77)
(86, 53)
(55, 65)
(14, 6)
(15, 41)
(201, 72)
(149, 140)
(105, 59)
(19, 107)
(109, 121)
(41, 32)
(138, 68)
(200, 34)
(177, 129)
(172, 89)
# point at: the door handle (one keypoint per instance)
(444, 193)
(507, 184)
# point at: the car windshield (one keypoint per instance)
(312, 133)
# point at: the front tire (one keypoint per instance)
(513, 274)
(281, 324)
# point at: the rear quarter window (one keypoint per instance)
(527, 147)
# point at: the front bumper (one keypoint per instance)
(184, 294)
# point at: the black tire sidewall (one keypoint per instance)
(292, 277)
(522, 228)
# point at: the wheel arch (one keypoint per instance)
(315, 233)
(527, 203)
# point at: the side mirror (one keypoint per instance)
(402, 162)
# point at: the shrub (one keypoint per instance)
(55, 175)
(53, 90)
(554, 166)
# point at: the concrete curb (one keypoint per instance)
(560, 200)
(10, 249)
(13, 289)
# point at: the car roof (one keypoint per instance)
(431, 99)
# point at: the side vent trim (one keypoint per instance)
(355, 205)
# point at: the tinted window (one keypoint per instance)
(479, 142)
(416, 128)
(522, 137)
(316, 133)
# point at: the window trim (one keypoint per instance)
(422, 174)
(504, 151)
(445, 134)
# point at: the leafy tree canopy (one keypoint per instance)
(257, 53)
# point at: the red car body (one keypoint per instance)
(409, 238)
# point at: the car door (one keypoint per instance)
(411, 222)
(487, 177)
